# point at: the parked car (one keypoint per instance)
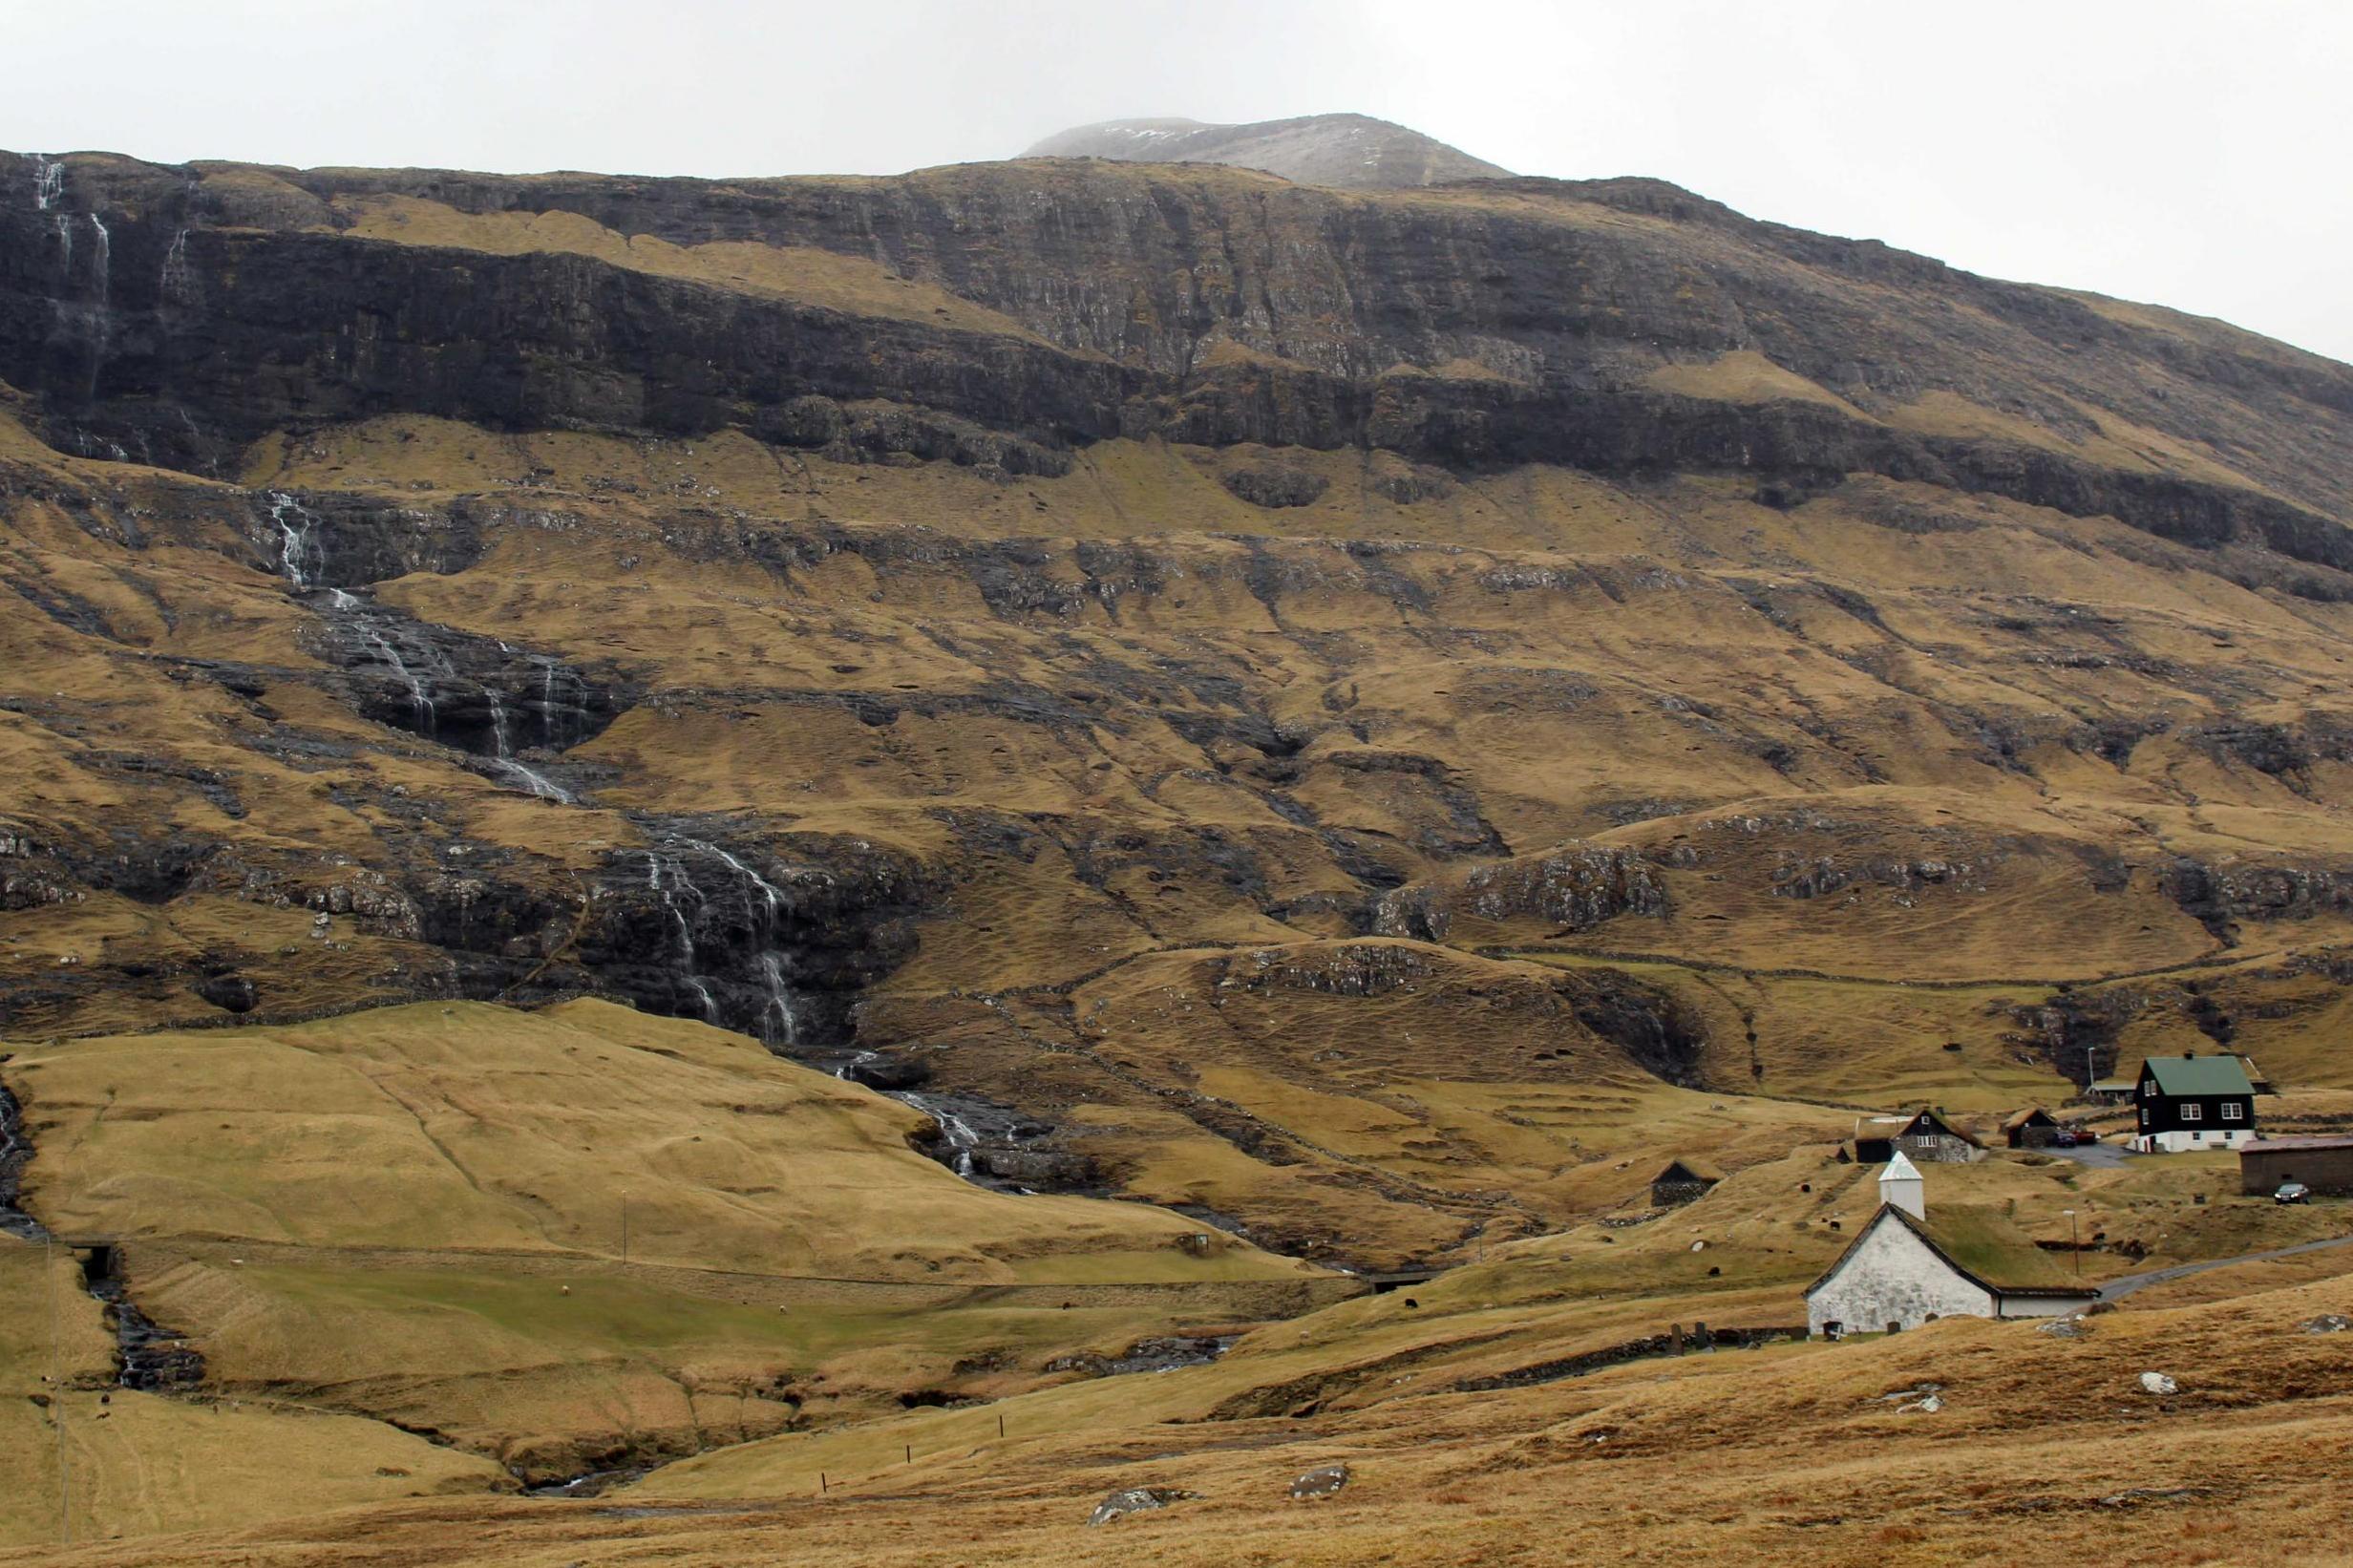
(2067, 1137)
(2292, 1192)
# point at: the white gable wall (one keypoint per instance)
(1894, 1276)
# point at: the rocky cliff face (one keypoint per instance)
(176, 314)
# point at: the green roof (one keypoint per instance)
(1983, 1245)
(1988, 1245)
(2187, 1075)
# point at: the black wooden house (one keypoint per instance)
(2189, 1102)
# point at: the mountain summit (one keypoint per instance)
(1348, 150)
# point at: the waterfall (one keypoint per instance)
(177, 281)
(778, 1025)
(537, 782)
(547, 701)
(65, 238)
(422, 706)
(106, 254)
(300, 555)
(667, 877)
(47, 182)
(961, 1138)
(503, 758)
(768, 890)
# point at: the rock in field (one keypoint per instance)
(1136, 1499)
(1321, 1483)
(2157, 1382)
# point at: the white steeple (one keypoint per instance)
(1900, 1185)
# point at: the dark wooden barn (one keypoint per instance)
(2033, 1127)
(1684, 1179)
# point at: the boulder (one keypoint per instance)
(1136, 1499)
(1321, 1483)
(231, 993)
(2327, 1323)
(2157, 1382)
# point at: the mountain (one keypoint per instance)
(1350, 151)
(1243, 695)
(1296, 730)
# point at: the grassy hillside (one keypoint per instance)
(418, 1214)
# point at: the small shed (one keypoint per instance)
(1684, 1179)
(2111, 1091)
(2323, 1163)
(1924, 1134)
(2033, 1127)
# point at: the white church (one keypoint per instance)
(1898, 1273)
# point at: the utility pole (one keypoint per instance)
(624, 1228)
(2075, 1246)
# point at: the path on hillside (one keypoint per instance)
(2115, 1289)
(1567, 957)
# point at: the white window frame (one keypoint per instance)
(2233, 1111)
(2192, 1111)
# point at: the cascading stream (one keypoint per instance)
(417, 662)
(15, 1151)
(147, 1356)
(670, 874)
(961, 1135)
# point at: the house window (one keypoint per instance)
(2149, 1090)
(2192, 1112)
(2234, 1112)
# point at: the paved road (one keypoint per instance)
(2130, 1282)
(2099, 1156)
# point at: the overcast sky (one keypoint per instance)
(2189, 152)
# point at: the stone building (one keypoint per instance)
(1924, 1134)
(1904, 1270)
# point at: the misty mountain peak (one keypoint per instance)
(1347, 150)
